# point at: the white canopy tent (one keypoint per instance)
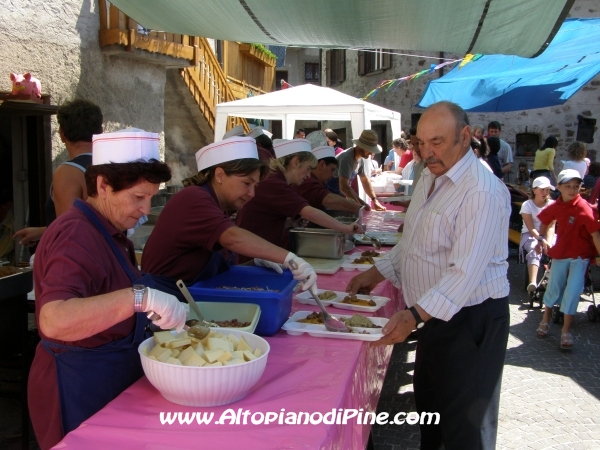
(306, 102)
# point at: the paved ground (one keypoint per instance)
(550, 398)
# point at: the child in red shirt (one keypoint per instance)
(578, 240)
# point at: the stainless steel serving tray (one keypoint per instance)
(318, 243)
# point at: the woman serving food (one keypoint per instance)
(276, 199)
(90, 296)
(194, 236)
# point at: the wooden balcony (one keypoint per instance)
(200, 69)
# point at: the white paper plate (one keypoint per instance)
(394, 215)
(348, 267)
(398, 198)
(386, 237)
(306, 299)
(353, 256)
(295, 328)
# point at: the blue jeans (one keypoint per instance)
(567, 278)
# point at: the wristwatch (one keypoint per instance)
(417, 317)
(138, 297)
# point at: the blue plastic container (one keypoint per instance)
(275, 306)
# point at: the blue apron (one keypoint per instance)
(89, 378)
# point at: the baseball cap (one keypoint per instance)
(567, 175)
(542, 182)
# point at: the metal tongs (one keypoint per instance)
(331, 323)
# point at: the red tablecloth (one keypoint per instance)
(303, 374)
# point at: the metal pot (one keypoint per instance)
(173, 188)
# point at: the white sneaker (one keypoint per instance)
(531, 288)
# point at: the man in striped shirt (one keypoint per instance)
(451, 266)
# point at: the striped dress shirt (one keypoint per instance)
(454, 248)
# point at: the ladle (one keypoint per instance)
(196, 330)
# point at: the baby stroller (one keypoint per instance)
(593, 311)
(537, 296)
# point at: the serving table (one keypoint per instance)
(303, 374)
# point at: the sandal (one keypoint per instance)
(542, 333)
(566, 341)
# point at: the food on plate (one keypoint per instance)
(358, 320)
(364, 260)
(255, 288)
(357, 301)
(216, 349)
(327, 295)
(371, 253)
(234, 323)
(5, 271)
(314, 318)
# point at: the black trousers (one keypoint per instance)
(458, 373)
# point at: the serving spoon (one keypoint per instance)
(193, 328)
(375, 242)
(331, 323)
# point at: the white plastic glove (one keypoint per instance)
(171, 311)
(301, 270)
(268, 264)
(360, 214)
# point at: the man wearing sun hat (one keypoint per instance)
(351, 162)
(314, 189)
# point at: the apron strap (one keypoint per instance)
(89, 213)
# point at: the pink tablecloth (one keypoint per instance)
(303, 374)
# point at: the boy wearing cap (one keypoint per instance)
(352, 163)
(578, 240)
(314, 189)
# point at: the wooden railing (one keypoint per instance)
(205, 78)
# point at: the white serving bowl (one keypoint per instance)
(205, 386)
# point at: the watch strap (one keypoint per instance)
(416, 315)
(138, 297)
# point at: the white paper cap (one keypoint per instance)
(317, 139)
(257, 131)
(128, 145)
(235, 131)
(324, 151)
(237, 147)
(284, 147)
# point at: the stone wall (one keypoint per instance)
(57, 41)
(560, 121)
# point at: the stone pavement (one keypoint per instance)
(550, 398)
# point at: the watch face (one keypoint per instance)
(138, 287)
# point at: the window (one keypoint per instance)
(376, 60)
(585, 129)
(311, 73)
(336, 67)
(219, 52)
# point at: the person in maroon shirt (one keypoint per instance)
(194, 234)
(314, 188)
(89, 319)
(577, 240)
(276, 200)
(264, 144)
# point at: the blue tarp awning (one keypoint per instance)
(498, 83)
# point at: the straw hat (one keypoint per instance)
(367, 141)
